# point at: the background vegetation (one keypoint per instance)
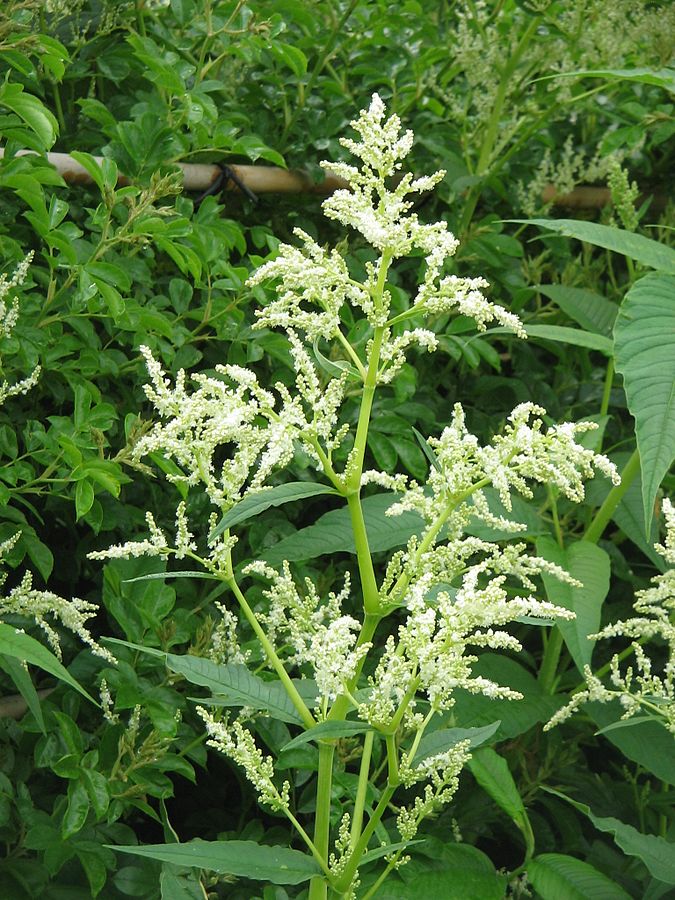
(508, 98)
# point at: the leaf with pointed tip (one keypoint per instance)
(656, 853)
(556, 876)
(255, 503)
(590, 565)
(592, 311)
(246, 859)
(644, 339)
(635, 246)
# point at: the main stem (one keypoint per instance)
(318, 889)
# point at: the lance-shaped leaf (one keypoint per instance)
(556, 876)
(441, 740)
(22, 646)
(492, 773)
(237, 685)
(644, 339)
(255, 503)
(590, 565)
(574, 336)
(642, 249)
(656, 853)
(591, 311)
(246, 859)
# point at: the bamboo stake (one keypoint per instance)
(200, 176)
(274, 180)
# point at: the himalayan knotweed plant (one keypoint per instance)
(380, 659)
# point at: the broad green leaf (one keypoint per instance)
(180, 887)
(629, 517)
(590, 565)
(332, 532)
(559, 877)
(574, 336)
(445, 872)
(31, 110)
(280, 865)
(239, 685)
(327, 731)
(441, 740)
(24, 647)
(644, 337)
(77, 810)
(644, 250)
(255, 503)
(516, 716)
(656, 853)
(89, 163)
(592, 311)
(648, 743)
(492, 773)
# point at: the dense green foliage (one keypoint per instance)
(506, 97)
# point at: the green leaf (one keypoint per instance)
(648, 743)
(76, 811)
(559, 877)
(644, 337)
(24, 684)
(635, 246)
(441, 740)
(255, 503)
(327, 731)
(517, 716)
(180, 887)
(237, 684)
(280, 865)
(664, 78)
(332, 532)
(591, 311)
(84, 498)
(574, 336)
(492, 773)
(22, 646)
(450, 872)
(590, 565)
(656, 853)
(31, 110)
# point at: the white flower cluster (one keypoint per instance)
(429, 655)
(317, 632)
(9, 314)
(526, 451)
(313, 284)
(442, 771)
(637, 687)
(237, 742)
(225, 414)
(40, 606)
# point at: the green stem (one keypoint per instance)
(362, 789)
(549, 665)
(607, 389)
(362, 844)
(318, 888)
(300, 705)
(604, 514)
(371, 594)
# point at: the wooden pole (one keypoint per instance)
(274, 180)
(200, 176)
